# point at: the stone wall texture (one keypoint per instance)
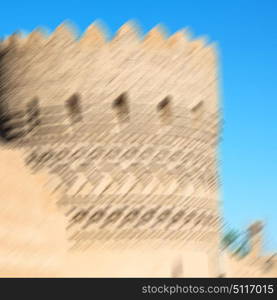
(127, 130)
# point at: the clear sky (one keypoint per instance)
(246, 33)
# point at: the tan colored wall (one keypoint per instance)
(248, 266)
(33, 240)
(144, 164)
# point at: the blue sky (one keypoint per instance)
(246, 33)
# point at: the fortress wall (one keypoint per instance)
(162, 155)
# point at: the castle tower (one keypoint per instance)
(128, 130)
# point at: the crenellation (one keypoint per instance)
(155, 39)
(35, 40)
(94, 37)
(127, 35)
(179, 41)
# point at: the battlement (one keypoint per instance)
(95, 36)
